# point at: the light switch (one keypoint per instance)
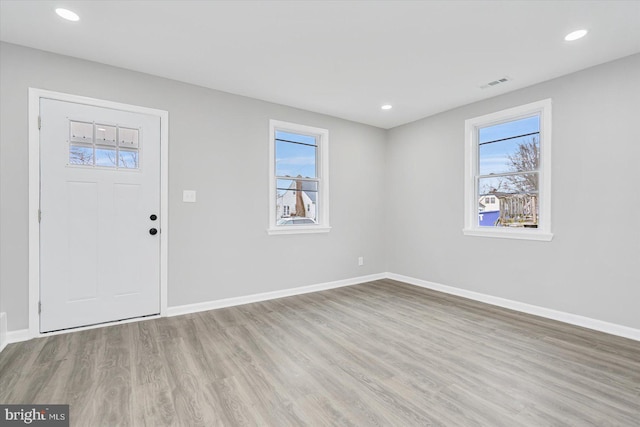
(189, 196)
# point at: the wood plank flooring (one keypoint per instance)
(377, 354)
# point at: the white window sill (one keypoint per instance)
(298, 229)
(506, 233)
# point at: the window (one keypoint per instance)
(507, 173)
(93, 144)
(299, 182)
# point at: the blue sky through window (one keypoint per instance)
(295, 155)
(493, 156)
(105, 157)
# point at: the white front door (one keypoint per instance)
(100, 207)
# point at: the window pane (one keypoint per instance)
(82, 132)
(80, 155)
(509, 129)
(128, 137)
(105, 157)
(105, 135)
(294, 184)
(516, 203)
(509, 184)
(296, 202)
(295, 160)
(128, 159)
(296, 137)
(512, 155)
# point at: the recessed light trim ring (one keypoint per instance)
(67, 14)
(575, 35)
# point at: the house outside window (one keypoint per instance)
(299, 181)
(507, 173)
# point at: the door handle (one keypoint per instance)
(153, 231)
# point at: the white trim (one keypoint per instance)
(572, 319)
(323, 179)
(164, 211)
(34, 206)
(543, 232)
(265, 296)
(34, 193)
(294, 229)
(506, 233)
(18, 336)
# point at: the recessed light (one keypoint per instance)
(387, 107)
(575, 35)
(67, 14)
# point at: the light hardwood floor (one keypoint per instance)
(381, 353)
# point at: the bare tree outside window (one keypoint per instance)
(79, 155)
(525, 159)
(509, 155)
(518, 192)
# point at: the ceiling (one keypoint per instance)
(342, 58)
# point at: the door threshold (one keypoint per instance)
(99, 325)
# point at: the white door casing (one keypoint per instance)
(97, 260)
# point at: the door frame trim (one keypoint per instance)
(35, 95)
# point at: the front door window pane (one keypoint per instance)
(95, 144)
(106, 157)
(81, 155)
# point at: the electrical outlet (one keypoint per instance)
(189, 196)
(360, 261)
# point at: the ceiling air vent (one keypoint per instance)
(496, 82)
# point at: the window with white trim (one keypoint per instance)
(508, 173)
(299, 181)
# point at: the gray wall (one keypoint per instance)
(592, 266)
(219, 147)
(396, 196)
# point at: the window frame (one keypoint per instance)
(322, 168)
(117, 145)
(472, 126)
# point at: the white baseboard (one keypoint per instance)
(18, 335)
(573, 319)
(230, 302)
